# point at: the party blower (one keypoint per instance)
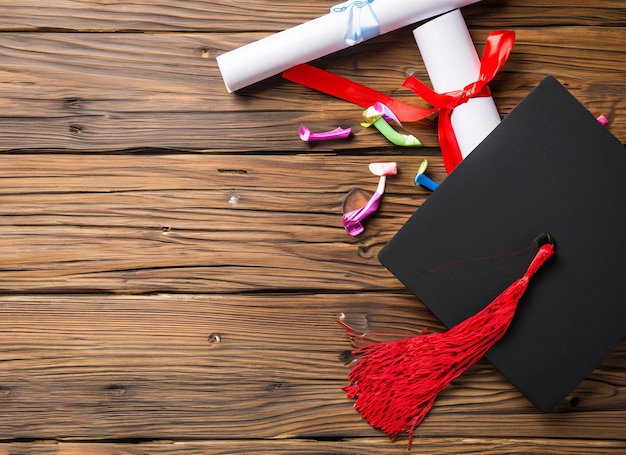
(359, 204)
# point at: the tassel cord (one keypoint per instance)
(395, 384)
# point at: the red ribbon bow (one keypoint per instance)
(497, 50)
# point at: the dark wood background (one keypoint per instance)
(172, 256)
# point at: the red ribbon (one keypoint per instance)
(497, 50)
(347, 90)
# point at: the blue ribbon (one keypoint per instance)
(362, 23)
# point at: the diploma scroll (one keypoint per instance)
(452, 63)
(346, 24)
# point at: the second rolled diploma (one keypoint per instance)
(452, 63)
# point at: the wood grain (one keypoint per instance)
(258, 15)
(119, 91)
(267, 366)
(194, 223)
(362, 446)
(172, 257)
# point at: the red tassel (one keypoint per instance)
(396, 383)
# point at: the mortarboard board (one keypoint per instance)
(550, 166)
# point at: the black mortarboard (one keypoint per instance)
(550, 166)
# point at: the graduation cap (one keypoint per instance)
(549, 166)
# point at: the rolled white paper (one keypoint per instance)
(452, 63)
(346, 24)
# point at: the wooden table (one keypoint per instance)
(172, 257)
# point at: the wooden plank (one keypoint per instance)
(96, 367)
(258, 15)
(241, 258)
(195, 223)
(363, 446)
(124, 91)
